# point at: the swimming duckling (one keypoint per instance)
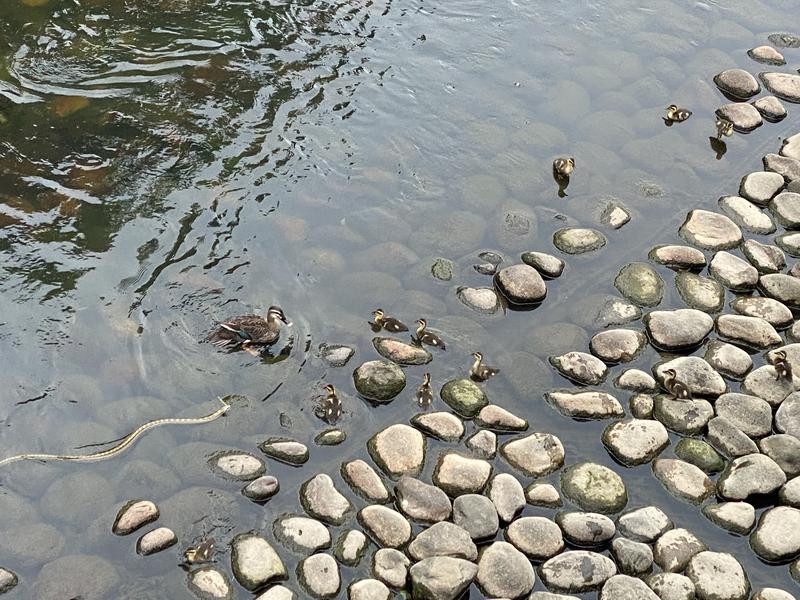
(783, 367)
(480, 371)
(387, 323)
(424, 392)
(677, 115)
(331, 405)
(677, 388)
(724, 127)
(250, 330)
(426, 337)
(563, 167)
(199, 553)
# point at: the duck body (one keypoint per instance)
(724, 127)
(677, 388)
(783, 368)
(246, 330)
(424, 392)
(331, 408)
(676, 114)
(199, 553)
(563, 167)
(479, 371)
(426, 337)
(388, 323)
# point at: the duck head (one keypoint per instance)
(276, 313)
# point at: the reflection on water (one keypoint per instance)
(167, 164)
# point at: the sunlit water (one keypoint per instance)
(166, 164)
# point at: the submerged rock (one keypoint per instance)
(701, 293)
(639, 283)
(594, 488)
(483, 300)
(232, 464)
(576, 240)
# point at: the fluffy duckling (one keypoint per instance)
(424, 392)
(331, 405)
(250, 330)
(783, 367)
(426, 337)
(676, 114)
(387, 323)
(724, 127)
(480, 371)
(677, 388)
(199, 553)
(563, 167)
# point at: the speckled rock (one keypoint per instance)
(391, 567)
(736, 517)
(700, 454)
(727, 359)
(733, 272)
(441, 578)
(521, 284)
(8, 580)
(504, 572)
(133, 515)
(765, 258)
(673, 550)
(644, 524)
(577, 240)
(633, 558)
(751, 414)
(624, 587)
(773, 312)
(319, 576)
(379, 380)
(640, 283)
(364, 481)
(760, 186)
(737, 83)
(671, 586)
(301, 534)
(548, 265)
(154, 541)
(728, 439)
(577, 571)
(767, 55)
(765, 383)
(285, 450)
(770, 108)
(686, 417)
(709, 230)
(677, 329)
(683, 480)
(441, 425)
(772, 594)
(499, 419)
(618, 345)
(398, 450)
(701, 293)
(483, 300)
(783, 288)
(678, 257)
(636, 380)
(483, 443)
(443, 539)
(535, 455)
(538, 538)
(542, 494)
(580, 367)
(748, 331)
(585, 405)
(464, 396)
(507, 495)
(335, 355)
(586, 529)
(594, 488)
(641, 405)
(421, 501)
(477, 515)
(457, 474)
(784, 449)
(743, 116)
(387, 527)
(749, 475)
(209, 583)
(350, 547)
(784, 85)
(718, 576)
(635, 441)
(255, 562)
(695, 373)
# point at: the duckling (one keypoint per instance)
(724, 127)
(199, 553)
(480, 371)
(250, 330)
(677, 388)
(783, 367)
(426, 337)
(387, 323)
(331, 405)
(424, 392)
(563, 167)
(677, 115)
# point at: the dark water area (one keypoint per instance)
(166, 164)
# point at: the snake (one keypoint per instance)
(124, 442)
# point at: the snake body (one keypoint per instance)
(124, 442)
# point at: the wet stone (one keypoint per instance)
(155, 541)
(781, 287)
(254, 562)
(504, 572)
(441, 578)
(364, 481)
(765, 383)
(577, 240)
(710, 230)
(784, 85)
(764, 257)
(673, 550)
(285, 450)
(542, 494)
(789, 494)
(319, 575)
(421, 501)
(677, 329)
(499, 419)
(507, 495)
(8, 580)
(401, 352)
(788, 167)
(442, 269)
(443, 539)
(791, 148)
(770, 108)
(586, 529)
(718, 576)
(683, 480)
(672, 586)
(737, 83)
(784, 449)
(624, 587)
(549, 596)
(368, 589)
(585, 405)
(387, 527)
(618, 345)
(262, 488)
(535, 455)
(464, 396)
(701, 293)
(726, 437)
(760, 186)
(744, 116)
(477, 515)
(773, 312)
(483, 300)
(640, 283)
(538, 538)
(733, 272)
(521, 284)
(695, 373)
(641, 406)
(210, 584)
(636, 380)
(748, 331)
(379, 380)
(444, 426)
(594, 488)
(133, 515)
(786, 208)
(336, 355)
(767, 55)
(350, 547)
(700, 454)
(236, 465)
(753, 474)
(678, 257)
(301, 534)
(616, 311)
(615, 215)
(727, 359)
(751, 414)
(772, 594)
(398, 450)
(580, 367)
(457, 474)
(323, 501)
(633, 558)
(644, 524)
(577, 571)
(635, 441)
(736, 517)
(330, 437)
(483, 443)
(687, 417)
(391, 567)
(548, 265)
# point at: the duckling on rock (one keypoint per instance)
(250, 330)
(480, 371)
(331, 408)
(724, 127)
(563, 167)
(677, 388)
(199, 553)
(426, 337)
(387, 323)
(676, 114)
(783, 368)
(424, 392)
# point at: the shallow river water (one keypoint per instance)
(165, 164)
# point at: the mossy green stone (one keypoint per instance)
(594, 488)
(379, 380)
(464, 397)
(640, 283)
(700, 454)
